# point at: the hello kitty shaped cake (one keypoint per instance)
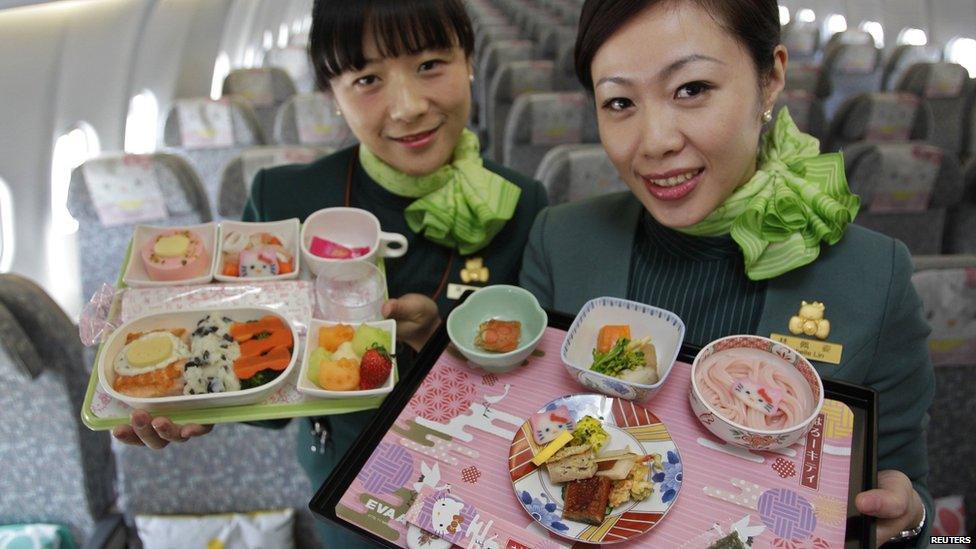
(547, 425)
(258, 263)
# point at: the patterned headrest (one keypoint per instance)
(949, 302)
(315, 119)
(852, 36)
(592, 174)
(891, 117)
(204, 123)
(945, 80)
(293, 60)
(800, 102)
(801, 40)
(556, 118)
(527, 77)
(253, 160)
(261, 86)
(506, 51)
(906, 177)
(19, 360)
(856, 59)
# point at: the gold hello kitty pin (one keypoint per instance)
(811, 321)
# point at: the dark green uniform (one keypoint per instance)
(427, 268)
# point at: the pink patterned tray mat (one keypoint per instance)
(455, 433)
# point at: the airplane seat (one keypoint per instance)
(969, 129)
(948, 293)
(487, 34)
(312, 119)
(496, 54)
(906, 189)
(265, 88)
(575, 172)
(111, 193)
(509, 82)
(847, 38)
(294, 61)
(56, 470)
(802, 41)
(946, 89)
(235, 184)
(806, 77)
(961, 220)
(879, 117)
(540, 121)
(552, 39)
(902, 59)
(210, 134)
(565, 76)
(805, 109)
(850, 69)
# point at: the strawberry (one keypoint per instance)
(375, 367)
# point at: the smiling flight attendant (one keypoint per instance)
(732, 229)
(401, 74)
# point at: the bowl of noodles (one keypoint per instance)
(754, 392)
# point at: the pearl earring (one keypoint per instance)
(471, 78)
(338, 113)
(767, 116)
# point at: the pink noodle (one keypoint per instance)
(716, 375)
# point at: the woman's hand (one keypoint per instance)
(416, 316)
(895, 504)
(156, 433)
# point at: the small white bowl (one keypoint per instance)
(748, 437)
(666, 330)
(286, 231)
(305, 385)
(188, 320)
(135, 274)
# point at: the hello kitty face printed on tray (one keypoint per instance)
(547, 424)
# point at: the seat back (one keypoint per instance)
(576, 172)
(879, 117)
(489, 34)
(510, 81)
(905, 190)
(806, 77)
(946, 88)
(540, 121)
(294, 61)
(496, 54)
(265, 88)
(235, 185)
(552, 40)
(210, 134)
(851, 69)
(806, 110)
(55, 469)
(961, 222)
(949, 300)
(312, 119)
(110, 194)
(902, 58)
(802, 40)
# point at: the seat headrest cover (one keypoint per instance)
(945, 80)
(19, 360)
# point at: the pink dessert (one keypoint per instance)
(323, 247)
(175, 255)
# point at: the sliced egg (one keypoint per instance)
(150, 352)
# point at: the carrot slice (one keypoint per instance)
(243, 331)
(609, 335)
(254, 346)
(275, 359)
(285, 267)
(230, 270)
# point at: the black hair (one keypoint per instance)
(400, 27)
(754, 23)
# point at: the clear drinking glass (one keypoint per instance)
(351, 292)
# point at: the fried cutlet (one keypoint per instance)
(586, 500)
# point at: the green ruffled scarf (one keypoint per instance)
(461, 205)
(797, 199)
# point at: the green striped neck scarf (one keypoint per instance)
(461, 205)
(797, 199)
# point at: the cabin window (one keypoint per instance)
(283, 36)
(963, 51)
(875, 30)
(6, 228)
(267, 41)
(833, 24)
(71, 150)
(296, 26)
(140, 123)
(806, 15)
(249, 57)
(912, 37)
(221, 70)
(784, 15)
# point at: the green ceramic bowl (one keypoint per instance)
(500, 303)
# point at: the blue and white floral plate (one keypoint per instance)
(628, 424)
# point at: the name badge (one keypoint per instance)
(454, 291)
(821, 351)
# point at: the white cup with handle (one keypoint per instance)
(351, 228)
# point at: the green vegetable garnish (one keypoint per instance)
(617, 359)
(260, 378)
(590, 431)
